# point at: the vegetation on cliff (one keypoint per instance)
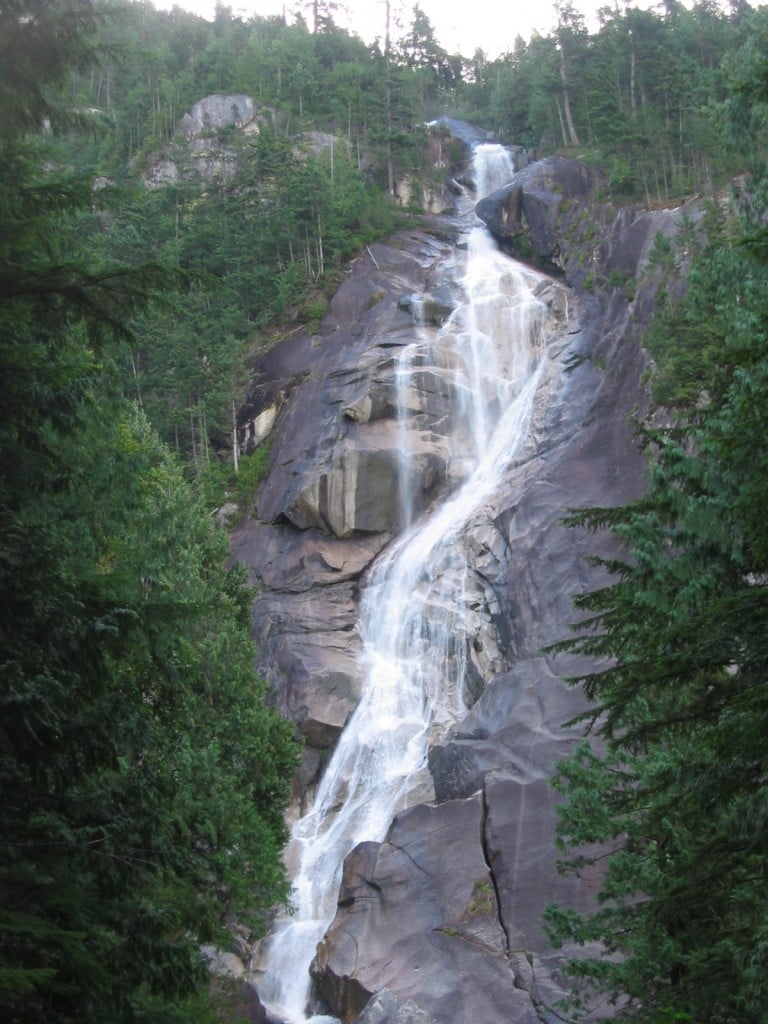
(669, 799)
(143, 779)
(642, 97)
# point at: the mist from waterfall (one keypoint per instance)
(415, 605)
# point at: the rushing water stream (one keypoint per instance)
(414, 611)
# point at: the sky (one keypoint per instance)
(461, 26)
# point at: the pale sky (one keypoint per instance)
(461, 26)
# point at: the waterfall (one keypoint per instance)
(416, 603)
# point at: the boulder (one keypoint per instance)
(237, 1002)
(532, 202)
(215, 112)
(386, 1008)
(418, 915)
(202, 145)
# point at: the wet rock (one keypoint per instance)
(328, 504)
(532, 203)
(237, 1002)
(386, 1008)
(413, 917)
(358, 494)
(336, 464)
(430, 308)
(418, 916)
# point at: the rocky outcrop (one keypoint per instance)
(215, 112)
(327, 506)
(533, 201)
(201, 147)
(549, 211)
(431, 876)
(386, 1008)
(207, 145)
(441, 922)
(237, 1002)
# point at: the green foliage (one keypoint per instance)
(668, 799)
(689, 337)
(262, 247)
(40, 43)
(143, 779)
(644, 93)
(265, 241)
(221, 485)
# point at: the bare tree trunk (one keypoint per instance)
(388, 60)
(136, 380)
(204, 439)
(307, 252)
(320, 254)
(192, 432)
(562, 122)
(632, 83)
(566, 101)
(235, 445)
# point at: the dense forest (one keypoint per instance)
(642, 99)
(144, 778)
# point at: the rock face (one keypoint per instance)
(207, 144)
(431, 875)
(200, 147)
(533, 201)
(549, 204)
(441, 922)
(216, 112)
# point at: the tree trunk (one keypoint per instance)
(632, 83)
(562, 122)
(137, 381)
(235, 446)
(574, 138)
(388, 94)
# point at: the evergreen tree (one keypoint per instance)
(143, 780)
(668, 801)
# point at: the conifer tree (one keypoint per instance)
(668, 799)
(142, 778)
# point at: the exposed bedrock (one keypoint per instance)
(450, 957)
(549, 206)
(442, 920)
(329, 503)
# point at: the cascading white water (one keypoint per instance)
(415, 607)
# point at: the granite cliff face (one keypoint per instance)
(441, 920)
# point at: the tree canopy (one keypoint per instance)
(263, 241)
(143, 778)
(668, 799)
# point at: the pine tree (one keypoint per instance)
(143, 780)
(668, 799)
